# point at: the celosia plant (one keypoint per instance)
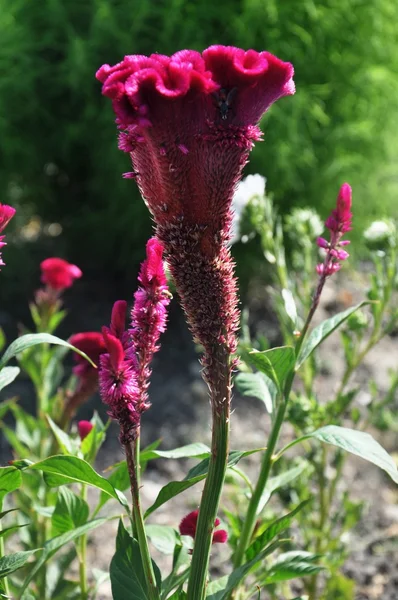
(188, 123)
(6, 214)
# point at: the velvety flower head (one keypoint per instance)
(6, 214)
(58, 273)
(189, 121)
(84, 428)
(189, 523)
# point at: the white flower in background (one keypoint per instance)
(248, 188)
(381, 235)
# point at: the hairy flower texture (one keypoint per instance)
(84, 428)
(338, 223)
(189, 122)
(6, 214)
(92, 344)
(149, 313)
(189, 523)
(58, 274)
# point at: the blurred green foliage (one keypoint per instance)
(59, 156)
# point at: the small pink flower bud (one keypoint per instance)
(84, 428)
(189, 523)
(322, 243)
(58, 274)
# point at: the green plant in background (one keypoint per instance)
(331, 511)
(59, 157)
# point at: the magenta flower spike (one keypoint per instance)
(6, 214)
(189, 523)
(125, 367)
(339, 222)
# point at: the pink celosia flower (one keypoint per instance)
(6, 214)
(189, 523)
(92, 344)
(338, 223)
(84, 428)
(58, 274)
(189, 122)
(125, 368)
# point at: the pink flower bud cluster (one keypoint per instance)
(125, 367)
(189, 523)
(339, 222)
(6, 214)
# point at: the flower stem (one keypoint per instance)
(220, 390)
(251, 515)
(133, 464)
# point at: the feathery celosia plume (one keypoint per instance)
(58, 273)
(125, 368)
(84, 428)
(6, 214)
(338, 223)
(189, 122)
(189, 523)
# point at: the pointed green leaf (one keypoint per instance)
(273, 530)
(277, 363)
(70, 511)
(12, 562)
(222, 588)
(52, 546)
(275, 483)
(359, 443)
(322, 331)
(163, 537)
(126, 571)
(196, 474)
(10, 480)
(257, 385)
(65, 442)
(290, 565)
(61, 470)
(32, 339)
(7, 375)
(197, 450)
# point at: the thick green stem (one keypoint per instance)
(220, 389)
(5, 580)
(133, 464)
(251, 515)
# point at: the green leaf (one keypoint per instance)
(257, 385)
(61, 470)
(52, 546)
(197, 450)
(12, 528)
(322, 331)
(198, 473)
(222, 588)
(290, 565)
(10, 480)
(120, 480)
(163, 537)
(275, 483)
(290, 305)
(273, 530)
(32, 339)
(7, 375)
(359, 443)
(65, 442)
(12, 562)
(126, 570)
(70, 511)
(277, 363)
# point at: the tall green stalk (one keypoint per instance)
(220, 396)
(133, 463)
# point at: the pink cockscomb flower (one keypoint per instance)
(6, 214)
(189, 122)
(84, 428)
(189, 523)
(125, 368)
(92, 344)
(58, 274)
(339, 222)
